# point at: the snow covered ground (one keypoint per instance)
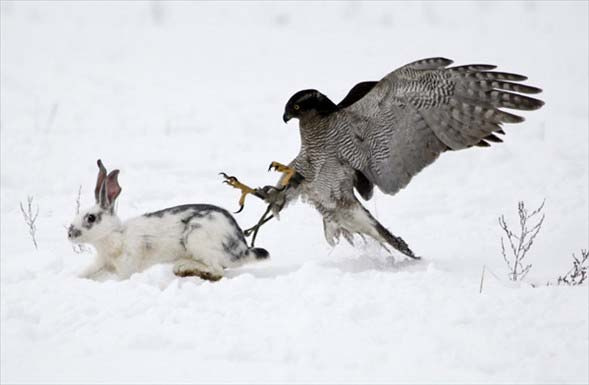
(173, 93)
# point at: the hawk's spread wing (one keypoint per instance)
(401, 124)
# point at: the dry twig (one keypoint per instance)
(520, 244)
(30, 218)
(578, 273)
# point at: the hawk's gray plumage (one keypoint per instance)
(384, 133)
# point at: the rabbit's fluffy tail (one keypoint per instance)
(250, 255)
(257, 253)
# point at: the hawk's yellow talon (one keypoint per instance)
(245, 190)
(287, 171)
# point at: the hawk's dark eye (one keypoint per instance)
(296, 107)
(91, 218)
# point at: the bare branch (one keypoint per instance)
(578, 273)
(30, 218)
(524, 271)
(520, 244)
(537, 210)
(505, 255)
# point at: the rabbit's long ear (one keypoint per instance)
(110, 190)
(99, 180)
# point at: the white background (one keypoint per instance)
(173, 93)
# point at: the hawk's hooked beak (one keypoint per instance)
(286, 117)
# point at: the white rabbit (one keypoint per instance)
(201, 239)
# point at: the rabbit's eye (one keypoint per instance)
(91, 218)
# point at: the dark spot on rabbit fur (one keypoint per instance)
(188, 228)
(178, 209)
(198, 214)
(232, 247)
(195, 211)
(191, 211)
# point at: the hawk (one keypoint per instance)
(385, 132)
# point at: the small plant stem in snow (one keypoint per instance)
(30, 218)
(522, 243)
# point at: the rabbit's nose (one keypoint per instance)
(72, 232)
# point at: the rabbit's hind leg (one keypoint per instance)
(191, 267)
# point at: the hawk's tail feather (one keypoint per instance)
(387, 237)
(396, 242)
(357, 220)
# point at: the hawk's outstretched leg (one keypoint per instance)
(288, 172)
(270, 194)
(275, 196)
(245, 190)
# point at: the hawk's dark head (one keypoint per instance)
(305, 102)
